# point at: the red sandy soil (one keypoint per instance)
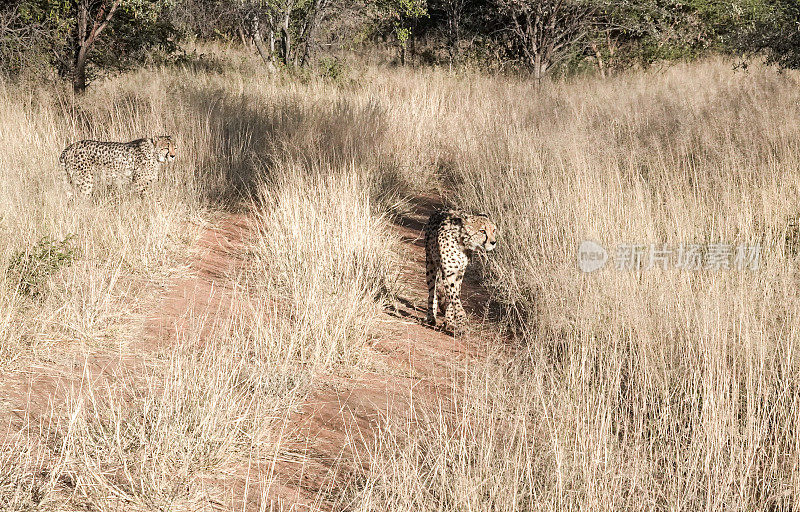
(335, 429)
(340, 420)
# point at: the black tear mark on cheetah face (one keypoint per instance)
(165, 148)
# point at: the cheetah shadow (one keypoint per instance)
(409, 311)
(406, 309)
(103, 196)
(412, 223)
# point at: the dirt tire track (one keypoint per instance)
(340, 420)
(333, 432)
(207, 291)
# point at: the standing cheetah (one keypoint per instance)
(450, 238)
(88, 163)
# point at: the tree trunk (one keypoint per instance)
(258, 40)
(612, 46)
(600, 63)
(86, 38)
(241, 35)
(262, 51)
(287, 44)
(450, 57)
(79, 80)
(453, 34)
(302, 40)
(412, 46)
(309, 29)
(272, 44)
(537, 66)
(79, 64)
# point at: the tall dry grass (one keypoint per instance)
(658, 389)
(632, 390)
(174, 428)
(325, 263)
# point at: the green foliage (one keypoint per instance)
(331, 68)
(29, 269)
(407, 11)
(400, 15)
(39, 36)
(33, 37)
(38, 11)
(646, 31)
(769, 28)
(141, 32)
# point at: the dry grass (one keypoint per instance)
(160, 434)
(658, 389)
(651, 389)
(325, 265)
(150, 432)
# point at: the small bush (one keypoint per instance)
(332, 69)
(30, 268)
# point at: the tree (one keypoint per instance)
(134, 33)
(257, 19)
(641, 32)
(308, 31)
(400, 15)
(454, 15)
(18, 41)
(544, 32)
(771, 29)
(284, 29)
(100, 13)
(82, 38)
(33, 35)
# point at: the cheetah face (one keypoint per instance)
(165, 148)
(479, 231)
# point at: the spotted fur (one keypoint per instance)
(451, 236)
(88, 163)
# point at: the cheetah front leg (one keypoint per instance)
(142, 187)
(455, 317)
(431, 278)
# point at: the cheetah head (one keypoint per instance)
(164, 147)
(479, 231)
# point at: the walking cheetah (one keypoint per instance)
(88, 163)
(450, 238)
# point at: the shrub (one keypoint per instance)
(331, 68)
(30, 268)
